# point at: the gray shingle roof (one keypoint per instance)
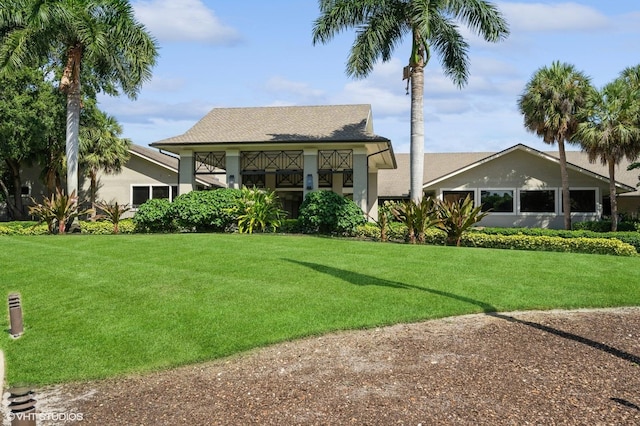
(395, 183)
(330, 123)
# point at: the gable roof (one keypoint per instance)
(441, 166)
(322, 123)
(169, 162)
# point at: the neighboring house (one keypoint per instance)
(520, 185)
(291, 150)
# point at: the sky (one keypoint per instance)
(254, 53)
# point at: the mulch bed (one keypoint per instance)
(558, 367)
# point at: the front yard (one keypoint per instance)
(102, 306)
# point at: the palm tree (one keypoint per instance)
(432, 25)
(550, 103)
(609, 130)
(101, 35)
(102, 149)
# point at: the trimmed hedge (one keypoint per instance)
(23, 228)
(632, 238)
(103, 227)
(604, 226)
(609, 246)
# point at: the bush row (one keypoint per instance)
(505, 238)
(605, 226)
(322, 212)
(632, 238)
(610, 246)
(126, 226)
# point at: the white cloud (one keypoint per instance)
(184, 20)
(151, 111)
(280, 85)
(561, 17)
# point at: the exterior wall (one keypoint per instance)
(518, 171)
(117, 187)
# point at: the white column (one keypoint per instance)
(232, 161)
(373, 195)
(360, 174)
(186, 177)
(310, 168)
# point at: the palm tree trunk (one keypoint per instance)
(564, 176)
(72, 148)
(612, 194)
(70, 84)
(417, 122)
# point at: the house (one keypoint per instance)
(147, 174)
(291, 150)
(520, 185)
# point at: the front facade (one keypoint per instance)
(291, 150)
(520, 186)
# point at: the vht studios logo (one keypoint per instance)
(41, 417)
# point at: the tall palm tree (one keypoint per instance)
(608, 131)
(102, 35)
(102, 149)
(549, 103)
(431, 24)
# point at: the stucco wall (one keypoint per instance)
(520, 170)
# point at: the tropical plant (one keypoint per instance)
(326, 212)
(259, 210)
(101, 35)
(417, 217)
(102, 149)
(113, 213)
(608, 131)
(457, 217)
(58, 209)
(385, 215)
(550, 104)
(431, 25)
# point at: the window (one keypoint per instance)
(142, 193)
(497, 200)
(542, 201)
(582, 200)
(458, 196)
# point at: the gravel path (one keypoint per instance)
(558, 367)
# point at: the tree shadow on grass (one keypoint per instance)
(357, 278)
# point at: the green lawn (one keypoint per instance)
(99, 306)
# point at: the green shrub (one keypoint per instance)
(206, 211)
(290, 226)
(603, 226)
(326, 212)
(154, 216)
(103, 227)
(610, 246)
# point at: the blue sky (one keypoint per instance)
(259, 53)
